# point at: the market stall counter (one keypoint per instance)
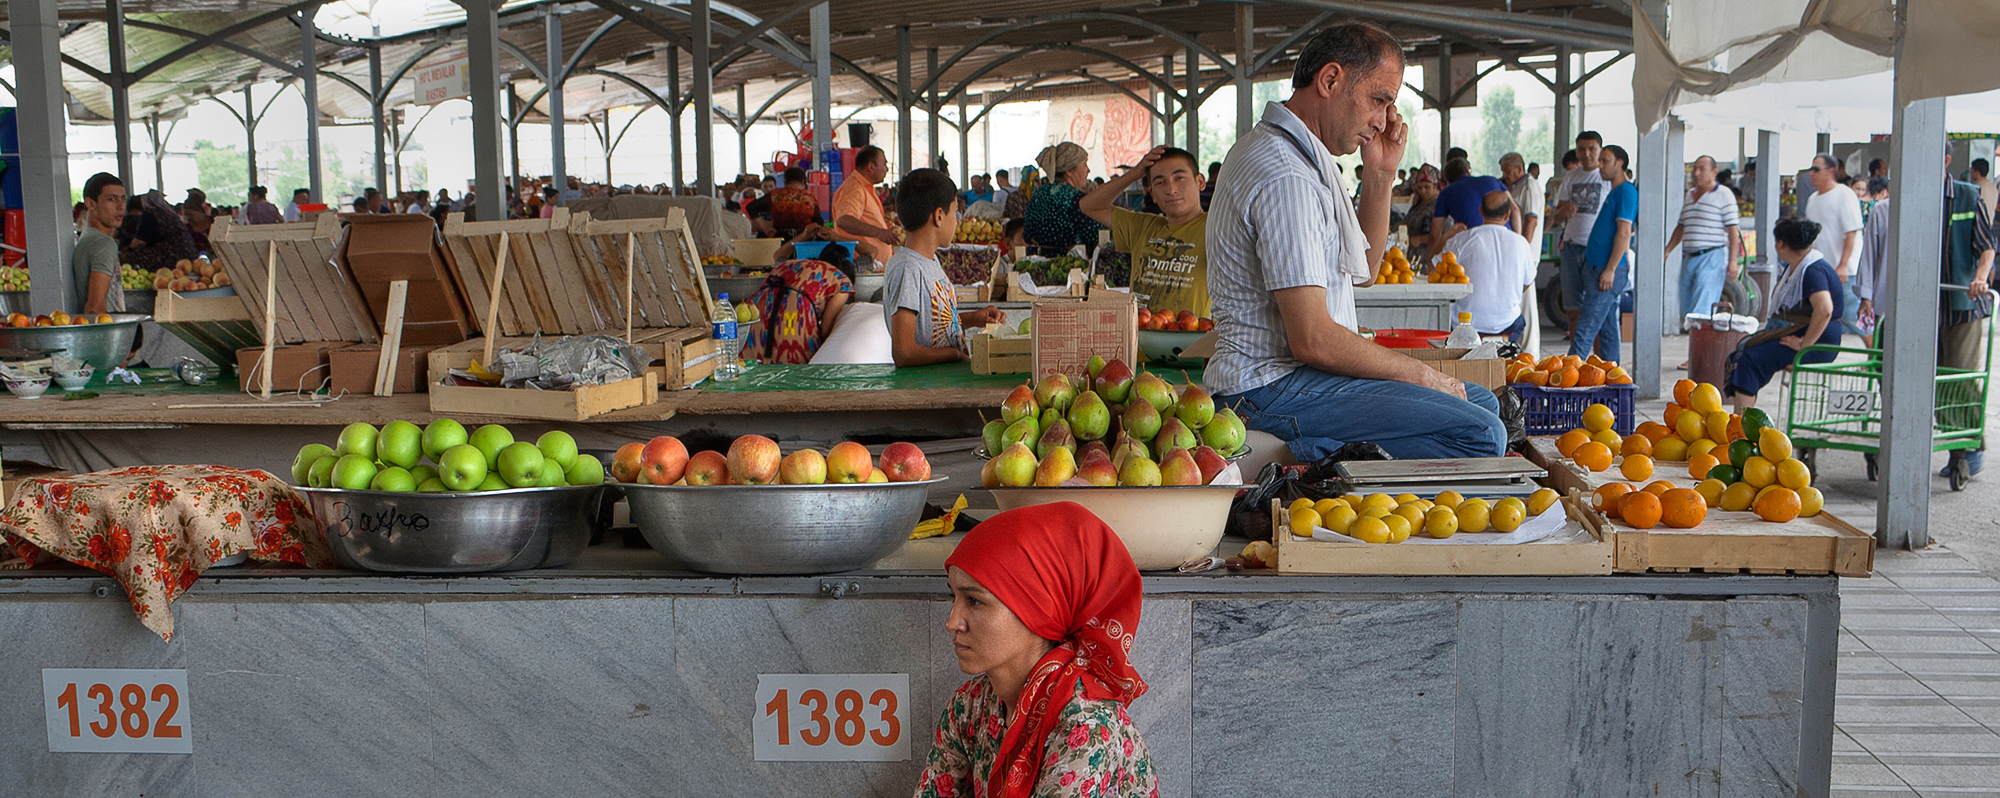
(626, 674)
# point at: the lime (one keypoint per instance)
(1725, 474)
(1754, 420)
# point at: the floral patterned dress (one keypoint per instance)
(1094, 751)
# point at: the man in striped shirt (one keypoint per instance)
(1710, 230)
(1286, 248)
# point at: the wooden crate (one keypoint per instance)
(377, 250)
(578, 405)
(1307, 556)
(669, 287)
(215, 326)
(682, 356)
(315, 302)
(1724, 542)
(995, 355)
(546, 288)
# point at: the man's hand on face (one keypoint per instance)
(1385, 150)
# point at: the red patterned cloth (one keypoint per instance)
(155, 528)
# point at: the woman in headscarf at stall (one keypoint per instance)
(800, 300)
(1054, 222)
(156, 237)
(1045, 600)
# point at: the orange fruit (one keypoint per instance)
(1654, 432)
(1636, 467)
(1550, 363)
(1573, 360)
(1700, 464)
(1682, 391)
(1658, 487)
(1672, 415)
(1617, 375)
(1570, 375)
(1711, 491)
(1640, 509)
(1536, 377)
(1636, 444)
(1593, 359)
(1681, 508)
(1590, 376)
(1670, 448)
(1593, 456)
(1606, 495)
(1570, 440)
(1778, 504)
(1735, 426)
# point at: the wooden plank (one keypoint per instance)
(484, 249)
(299, 296)
(392, 339)
(552, 252)
(499, 282)
(583, 403)
(597, 292)
(529, 277)
(342, 297)
(459, 256)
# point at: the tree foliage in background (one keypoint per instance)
(1534, 146)
(288, 172)
(1499, 130)
(222, 172)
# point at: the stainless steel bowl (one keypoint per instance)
(777, 529)
(103, 346)
(455, 533)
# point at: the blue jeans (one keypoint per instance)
(1570, 272)
(1513, 331)
(1317, 412)
(1701, 280)
(1599, 320)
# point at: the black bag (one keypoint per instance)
(1250, 515)
(1513, 414)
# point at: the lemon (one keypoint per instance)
(1339, 519)
(1671, 449)
(1737, 498)
(1705, 399)
(1412, 512)
(1473, 515)
(1794, 474)
(1810, 501)
(1718, 426)
(1598, 418)
(1773, 444)
(1298, 503)
(1441, 522)
(1303, 521)
(1689, 426)
(1609, 438)
(1381, 500)
(1449, 499)
(1399, 528)
(1376, 511)
(1323, 505)
(1637, 467)
(1405, 498)
(1370, 530)
(1759, 472)
(1701, 446)
(1711, 491)
(1508, 517)
(1541, 501)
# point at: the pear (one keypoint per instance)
(1224, 433)
(989, 474)
(991, 433)
(1057, 437)
(1096, 365)
(1098, 471)
(1089, 419)
(1178, 468)
(1114, 382)
(1173, 435)
(1141, 421)
(1139, 472)
(1022, 431)
(1155, 391)
(1048, 419)
(1055, 391)
(1097, 447)
(1210, 463)
(1019, 405)
(1015, 467)
(1126, 450)
(1196, 408)
(1055, 469)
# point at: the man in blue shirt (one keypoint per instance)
(1607, 257)
(980, 191)
(1458, 204)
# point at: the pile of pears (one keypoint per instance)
(1109, 428)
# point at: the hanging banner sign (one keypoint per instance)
(442, 80)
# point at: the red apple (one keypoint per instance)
(754, 460)
(662, 462)
(1187, 321)
(803, 467)
(904, 462)
(707, 468)
(625, 464)
(1145, 319)
(849, 463)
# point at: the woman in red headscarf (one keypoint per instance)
(1044, 603)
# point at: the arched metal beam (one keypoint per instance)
(989, 66)
(741, 44)
(533, 65)
(628, 80)
(773, 100)
(224, 34)
(1297, 36)
(588, 42)
(1040, 79)
(94, 73)
(1190, 42)
(389, 83)
(348, 82)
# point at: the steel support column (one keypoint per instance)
(513, 135)
(250, 134)
(1172, 102)
(931, 109)
(1909, 349)
(482, 60)
(553, 66)
(905, 147)
(375, 103)
(742, 131)
(1191, 103)
(964, 144)
(1668, 217)
(822, 86)
(121, 102)
(36, 36)
(674, 113)
(1565, 137)
(1767, 214)
(1648, 274)
(309, 88)
(704, 101)
(1246, 60)
(1447, 91)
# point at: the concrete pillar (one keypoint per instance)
(674, 114)
(704, 102)
(1648, 276)
(1767, 216)
(1445, 91)
(822, 54)
(905, 148)
(558, 124)
(482, 59)
(1192, 102)
(1909, 348)
(309, 88)
(1246, 59)
(36, 36)
(121, 103)
(375, 104)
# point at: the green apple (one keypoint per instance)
(558, 447)
(587, 471)
(308, 455)
(394, 479)
(552, 477)
(424, 472)
(492, 482)
(321, 473)
(432, 485)
(357, 438)
(462, 467)
(400, 443)
(353, 472)
(521, 464)
(441, 435)
(490, 439)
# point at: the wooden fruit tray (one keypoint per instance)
(1298, 555)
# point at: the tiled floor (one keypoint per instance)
(1917, 711)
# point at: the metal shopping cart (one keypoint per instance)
(1838, 405)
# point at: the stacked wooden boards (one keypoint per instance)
(315, 301)
(568, 274)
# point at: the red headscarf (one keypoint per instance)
(1069, 578)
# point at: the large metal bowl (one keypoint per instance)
(455, 533)
(103, 346)
(1163, 527)
(777, 529)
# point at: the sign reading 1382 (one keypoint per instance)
(832, 717)
(116, 710)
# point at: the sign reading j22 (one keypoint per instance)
(117, 710)
(832, 717)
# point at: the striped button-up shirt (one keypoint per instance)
(1270, 227)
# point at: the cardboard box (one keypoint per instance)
(377, 249)
(353, 369)
(1069, 330)
(1489, 373)
(992, 354)
(294, 367)
(583, 403)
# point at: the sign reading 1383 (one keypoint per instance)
(844, 717)
(121, 710)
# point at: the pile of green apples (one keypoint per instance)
(394, 457)
(1109, 428)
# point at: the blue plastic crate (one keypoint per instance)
(1554, 411)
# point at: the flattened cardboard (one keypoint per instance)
(353, 369)
(1069, 330)
(294, 367)
(377, 249)
(1487, 373)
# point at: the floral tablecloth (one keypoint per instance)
(155, 528)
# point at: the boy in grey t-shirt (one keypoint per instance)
(925, 326)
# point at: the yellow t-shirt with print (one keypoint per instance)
(1169, 267)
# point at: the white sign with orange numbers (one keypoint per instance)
(117, 710)
(832, 717)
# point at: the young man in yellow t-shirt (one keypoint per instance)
(1169, 269)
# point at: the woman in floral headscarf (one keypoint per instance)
(1044, 603)
(1054, 222)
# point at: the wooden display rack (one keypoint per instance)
(1725, 542)
(668, 287)
(1298, 555)
(548, 287)
(314, 301)
(215, 326)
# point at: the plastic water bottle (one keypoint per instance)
(1462, 336)
(722, 327)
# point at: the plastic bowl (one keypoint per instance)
(28, 389)
(1409, 338)
(777, 529)
(1163, 347)
(1164, 527)
(808, 250)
